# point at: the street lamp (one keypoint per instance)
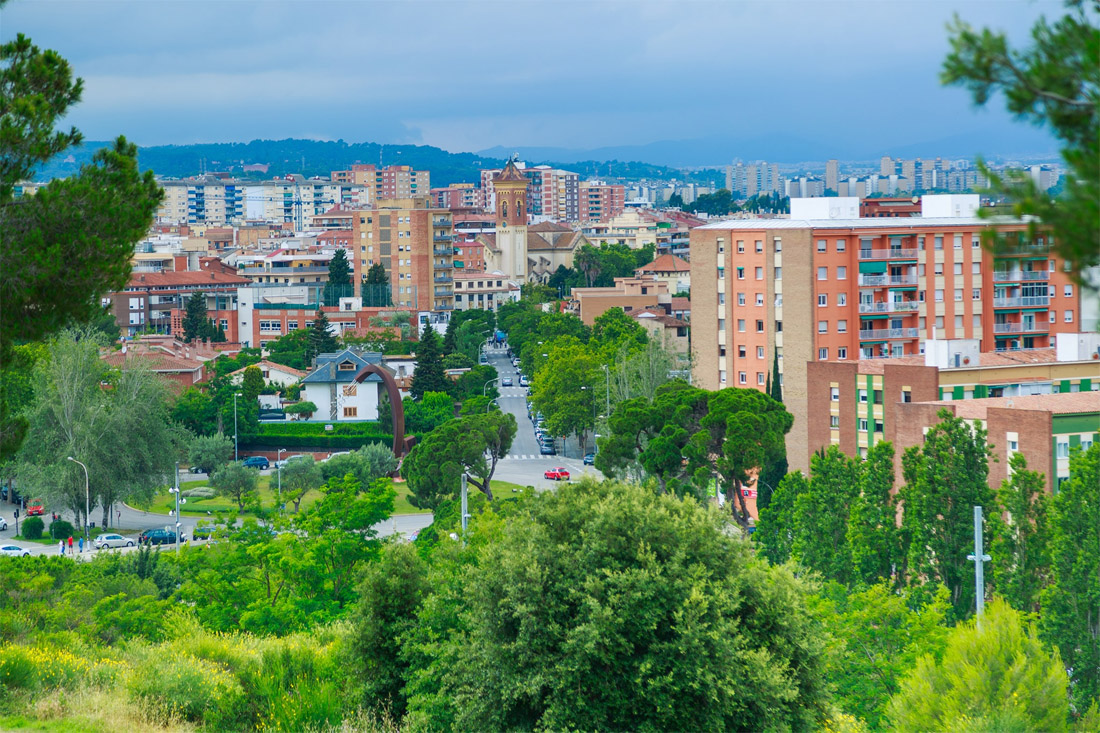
(87, 498)
(486, 386)
(236, 457)
(607, 373)
(279, 466)
(175, 491)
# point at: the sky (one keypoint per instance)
(466, 76)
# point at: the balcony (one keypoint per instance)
(900, 253)
(1017, 327)
(443, 307)
(443, 251)
(1026, 301)
(873, 334)
(444, 279)
(879, 280)
(898, 306)
(442, 237)
(443, 292)
(1006, 276)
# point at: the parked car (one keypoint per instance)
(547, 449)
(112, 540)
(157, 537)
(288, 459)
(506, 382)
(256, 462)
(14, 551)
(203, 531)
(196, 469)
(556, 474)
(589, 459)
(3, 524)
(523, 381)
(36, 508)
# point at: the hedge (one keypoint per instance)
(318, 429)
(321, 442)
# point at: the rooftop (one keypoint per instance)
(666, 263)
(915, 222)
(1063, 403)
(986, 360)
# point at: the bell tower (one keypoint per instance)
(510, 189)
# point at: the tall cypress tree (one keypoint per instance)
(376, 288)
(195, 323)
(775, 389)
(339, 279)
(449, 336)
(320, 340)
(429, 376)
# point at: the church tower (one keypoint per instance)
(510, 189)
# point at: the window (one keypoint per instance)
(778, 244)
(842, 273)
(759, 246)
(976, 294)
(779, 273)
(740, 273)
(939, 268)
(939, 322)
(939, 241)
(741, 325)
(958, 268)
(863, 424)
(760, 377)
(842, 326)
(878, 426)
(906, 396)
(822, 299)
(958, 294)
(822, 326)
(822, 354)
(1068, 292)
(742, 378)
(878, 396)
(740, 299)
(350, 390)
(760, 273)
(740, 245)
(721, 324)
(722, 376)
(975, 241)
(1063, 449)
(958, 241)
(958, 325)
(834, 394)
(721, 245)
(1054, 316)
(741, 351)
(939, 296)
(721, 273)
(842, 299)
(842, 352)
(823, 273)
(975, 268)
(834, 421)
(721, 296)
(920, 296)
(841, 244)
(760, 299)
(779, 326)
(821, 244)
(1069, 317)
(351, 412)
(759, 326)
(1051, 266)
(1013, 446)
(759, 352)
(863, 397)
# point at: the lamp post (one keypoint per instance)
(175, 491)
(236, 456)
(607, 394)
(87, 498)
(279, 467)
(486, 386)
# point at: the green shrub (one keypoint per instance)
(33, 527)
(41, 667)
(61, 530)
(318, 428)
(180, 684)
(320, 442)
(203, 492)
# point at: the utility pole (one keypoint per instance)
(236, 457)
(979, 558)
(465, 512)
(87, 497)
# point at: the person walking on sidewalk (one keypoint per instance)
(80, 545)
(70, 544)
(61, 548)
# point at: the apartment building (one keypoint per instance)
(286, 268)
(294, 200)
(601, 201)
(827, 285)
(552, 194)
(414, 243)
(483, 290)
(856, 404)
(628, 293)
(459, 196)
(389, 182)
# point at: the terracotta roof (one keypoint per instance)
(272, 365)
(660, 316)
(156, 361)
(549, 226)
(185, 278)
(510, 173)
(985, 359)
(680, 304)
(666, 263)
(1062, 403)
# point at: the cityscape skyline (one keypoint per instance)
(837, 77)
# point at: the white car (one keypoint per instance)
(288, 459)
(3, 524)
(112, 540)
(14, 551)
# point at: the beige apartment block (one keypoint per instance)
(628, 293)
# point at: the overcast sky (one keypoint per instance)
(470, 75)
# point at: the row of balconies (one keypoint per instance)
(1021, 302)
(1018, 327)
(897, 306)
(865, 280)
(1020, 275)
(887, 333)
(888, 253)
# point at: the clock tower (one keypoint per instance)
(510, 190)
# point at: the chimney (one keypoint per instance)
(179, 263)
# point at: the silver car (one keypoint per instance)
(3, 524)
(14, 551)
(112, 540)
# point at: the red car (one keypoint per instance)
(557, 474)
(35, 508)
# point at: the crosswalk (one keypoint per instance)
(556, 459)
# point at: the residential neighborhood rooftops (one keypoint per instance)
(1062, 403)
(342, 367)
(665, 263)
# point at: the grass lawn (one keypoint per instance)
(47, 540)
(401, 503)
(164, 502)
(505, 487)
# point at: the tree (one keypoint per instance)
(1021, 558)
(880, 635)
(298, 478)
(209, 453)
(1054, 84)
(291, 349)
(676, 201)
(1071, 619)
(252, 383)
(320, 339)
(564, 389)
(339, 280)
(472, 445)
(194, 317)
(820, 517)
(1000, 677)
(774, 533)
(432, 410)
(305, 407)
(371, 462)
(872, 523)
(428, 375)
(376, 288)
(615, 333)
(775, 385)
(116, 423)
(944, 480)
(237, 482)
(602, 606)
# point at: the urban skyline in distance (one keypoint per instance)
(681, 84)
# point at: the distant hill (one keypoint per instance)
(317, 158)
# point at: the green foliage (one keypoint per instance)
(473, 383)
(193, 689)
(432, 410)
(768, 203)
(195, 410)
(298, 477)
(252, 384)
(428, 375)
(17, 395)
(820, 516)
(33, 527)
(339, 280)
(564, 389)
(1021, 560)
(1055, 83)
(210, 452)
(368, 464)
(291, 349)
(945, 478)
(237, 482)
(305, 407)
(376, 287)
(718, 203)
(775, 529)
(1070, 618)
(458, 361)
(997, 678)
(879, 635)
(320, 339)
(872, 524)
(61, 530)
(607, 607)
(196, 324)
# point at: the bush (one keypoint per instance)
(39, 667)
(61, 530)
(320, 442)
(318, 428)
(33, 527)
(203, 492)
(180, 684)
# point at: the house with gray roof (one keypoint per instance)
(332, 387)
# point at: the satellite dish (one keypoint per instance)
(834, 212)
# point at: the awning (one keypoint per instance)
(871, 267)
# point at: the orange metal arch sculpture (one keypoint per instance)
(401, 446)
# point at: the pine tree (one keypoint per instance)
(775, 388)
(321, 341)
(449, 336)
(872, 523)
(339, 280)
(1021, 558)
(195, 322)
(376, 288)
(429, 376)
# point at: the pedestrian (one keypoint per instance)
(80, 545)
(70, 544)
(61, 547)
(119, 518)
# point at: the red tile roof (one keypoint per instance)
(665, 263)
(1062, 403)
